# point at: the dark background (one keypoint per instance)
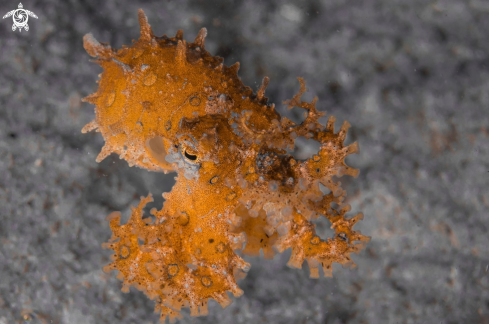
(412, 78)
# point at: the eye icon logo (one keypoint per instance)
(20, 17)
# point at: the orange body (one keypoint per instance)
(167, 105)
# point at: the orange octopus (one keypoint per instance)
(164, 104)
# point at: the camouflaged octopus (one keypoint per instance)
(167, 105)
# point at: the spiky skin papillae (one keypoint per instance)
(167, 105)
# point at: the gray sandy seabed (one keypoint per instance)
(411, 77)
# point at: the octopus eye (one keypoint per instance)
(190, 157)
